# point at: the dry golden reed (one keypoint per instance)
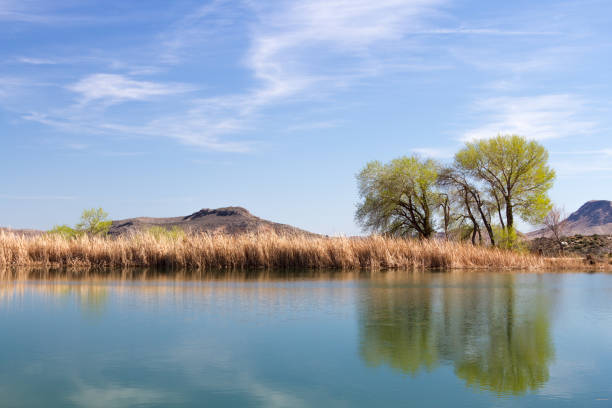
(208, 252)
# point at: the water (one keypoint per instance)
(426, 340)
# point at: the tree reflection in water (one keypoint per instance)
(496, 336)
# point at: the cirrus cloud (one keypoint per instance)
(536, 117)
(114, 88)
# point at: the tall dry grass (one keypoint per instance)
(211, 252)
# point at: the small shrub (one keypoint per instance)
(175, 233)
(65, 231)
(509, 239)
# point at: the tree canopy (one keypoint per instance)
(514, 169)
(489, 184)
(94, 221)
(399, 197)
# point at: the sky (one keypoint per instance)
(162, 108)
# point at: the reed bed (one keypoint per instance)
(261, 251)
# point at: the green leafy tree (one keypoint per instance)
(399, 197)
(514, 170)
(94, 221)
(471, 204)
(65, 231)
(508, 238)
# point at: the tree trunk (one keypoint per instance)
(509, 215)
(428, 230)
(487, 224)
(476, 227)
(501, 219)
(427, 227)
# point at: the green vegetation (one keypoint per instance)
(93, 222)
(159, 233)
(514, 171)
(399, 198)
(65, 231)
(501, 178)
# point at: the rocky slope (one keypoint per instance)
(228, 220)
(575, 245)
(593, 218)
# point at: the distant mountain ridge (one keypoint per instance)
(593, 214)
(226, 220)
(592, 218)
(24, 232)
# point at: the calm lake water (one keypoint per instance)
(394, 339)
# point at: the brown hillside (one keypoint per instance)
(227, 220)
(24, 232)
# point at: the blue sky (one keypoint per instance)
(162, 108)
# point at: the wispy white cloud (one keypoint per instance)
(189, 128)
(43, 12)
(35, 12)
(536, 117)
(11, 86)
(36, 61)
(579, 162)
(296, 51)
(207, 24)
(50, 59)
(290, 43)
(113, 88)
(287, 43)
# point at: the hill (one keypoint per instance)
(227, 220)
(592, 218)
(24, 232)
